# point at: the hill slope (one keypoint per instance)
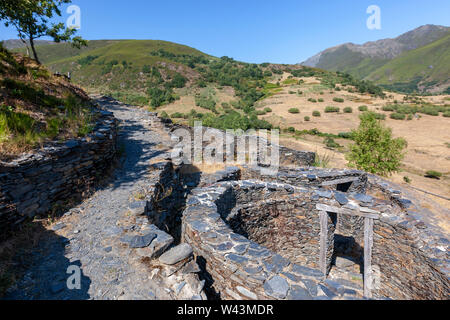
(426, 68)
(364, 60)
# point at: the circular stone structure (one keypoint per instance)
(261, 240)
(271, 240)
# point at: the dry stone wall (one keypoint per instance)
(32, 184)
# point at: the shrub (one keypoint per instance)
(432, 174)
(446, 114)
(339, 100)
(177, 115)
(348, 110)
(380, 116)
(164, 115)
(388, 108)
(291, 129)
(294, 110)
(363, 108)
(307, 119)
(316, 114)
(332, 110)
(407, 179)
(321, 100)
(398, 116)
(268, 110)
(375, 150)
(312, 100)
(346, 135)
(330, 143)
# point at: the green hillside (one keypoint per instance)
(420, 68)
(122, 65)
(345, 60)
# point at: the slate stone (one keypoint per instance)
(142, 241)
(236, 258)
(341, 198)
(301, 270)
(299, 293)
(246, 292)
(276, 287)
(138, 208)
(324, 194)
(176, 254)
(362, 197)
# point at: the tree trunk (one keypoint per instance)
(34, 50)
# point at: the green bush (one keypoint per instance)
(398, 116)
(389, 108)
(446, 114)
(291, 129)
(339, 100)
(312, 100)
(294, 110)
(407, 179)
(320, 100)
(331, 109)
(267, 110)
(316, 114)
(307, 119)
(363, 108)
(330, 143)
(346, 135)
(348, 110)
(380, 116)
(177, 115)
(432, 174)
(375, 150)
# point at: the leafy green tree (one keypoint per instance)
(375, 150)
(32, 20)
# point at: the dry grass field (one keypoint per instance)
(428, 136)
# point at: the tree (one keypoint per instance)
(375, 150)
(31, 18)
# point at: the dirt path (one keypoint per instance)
(88, 236)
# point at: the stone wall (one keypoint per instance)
(32, 184)
(239, 267)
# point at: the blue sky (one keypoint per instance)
(253, 30)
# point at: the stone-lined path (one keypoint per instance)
(88, 236)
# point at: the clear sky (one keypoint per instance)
(283, 31)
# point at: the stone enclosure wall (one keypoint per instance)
(32, 184)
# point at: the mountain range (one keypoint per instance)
(418, 60)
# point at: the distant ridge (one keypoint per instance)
(364, 61)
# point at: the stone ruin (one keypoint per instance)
(306, 233)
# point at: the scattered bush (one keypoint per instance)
(320, 100)
(332, 110)
(407, 179)
(363, 108)
(339, 100)
(294, 110)
(398, 116)
(307, 119)
(268, 110)
(177, 115)
(312, 100)
(330, 143)
(348, 110)
(432, 174)
(316, 114)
